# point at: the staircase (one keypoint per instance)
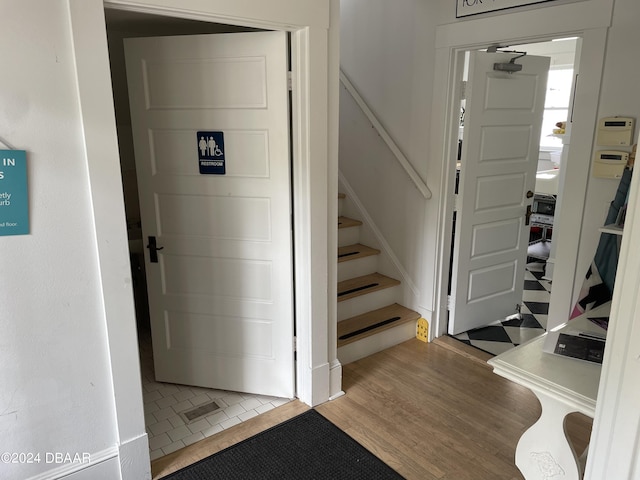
(370, 319)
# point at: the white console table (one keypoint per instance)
(563, 385)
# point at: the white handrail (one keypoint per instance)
(417, 180)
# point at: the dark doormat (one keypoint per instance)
(303, 448)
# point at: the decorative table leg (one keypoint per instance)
(543, 451)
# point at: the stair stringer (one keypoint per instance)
(370, 234)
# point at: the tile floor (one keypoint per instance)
(163, 403)
(505, 334)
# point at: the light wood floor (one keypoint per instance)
(428, 410)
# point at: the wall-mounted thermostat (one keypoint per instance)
(616, 131)
(610, 164)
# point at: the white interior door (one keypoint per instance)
(220, 293)
(497, 180)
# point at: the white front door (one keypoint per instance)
(221, 287)
(497, 180)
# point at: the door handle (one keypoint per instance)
(528, 215)
(153, 250)
(529, 194)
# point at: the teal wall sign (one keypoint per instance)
(14, 196)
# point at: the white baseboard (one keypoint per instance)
(318, 387)
(99, 465)
(134, 459)
(128, 461)
(335, 380)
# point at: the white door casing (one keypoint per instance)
(220, 295)
(499, 159)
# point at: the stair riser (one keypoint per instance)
(348, 236)
(376, 343)
(365, 303)
(357, 268)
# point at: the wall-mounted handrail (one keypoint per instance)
(408, 168)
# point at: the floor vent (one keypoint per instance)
(200, 411)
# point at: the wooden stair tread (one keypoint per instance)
(355, 287)
(341, 195)
(353, 252)
(345, 222)
(361, 326)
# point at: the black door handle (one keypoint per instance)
(153, 250)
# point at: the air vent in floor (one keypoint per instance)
(200, 411)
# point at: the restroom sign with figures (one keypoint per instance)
(211, 153)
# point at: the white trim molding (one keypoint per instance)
(474, 7)
(129, 452)
(444, 138)
(615, 441)
(314, 136)
(94, 461)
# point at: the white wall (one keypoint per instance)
(386, 50)
(400, 36)
(618, 96)
(394, 204)
(56, 393)
(69, 367)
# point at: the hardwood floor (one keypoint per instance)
(428, 411)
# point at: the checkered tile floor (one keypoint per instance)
(502, 335)
(163, 402)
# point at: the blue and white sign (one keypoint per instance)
(211, 153)
(474, 7)
(14, 197)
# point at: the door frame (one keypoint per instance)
(452, 41)
(315, 65)
(478, 67)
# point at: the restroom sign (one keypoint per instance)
(14, 199)
(211, 153)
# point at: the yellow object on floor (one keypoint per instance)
(422, 330)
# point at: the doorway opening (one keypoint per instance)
(529, 316)
(167, 406)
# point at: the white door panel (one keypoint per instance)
(167, 85)
(248, 148)
(220, 294)
(495, 237)
(499, 159)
